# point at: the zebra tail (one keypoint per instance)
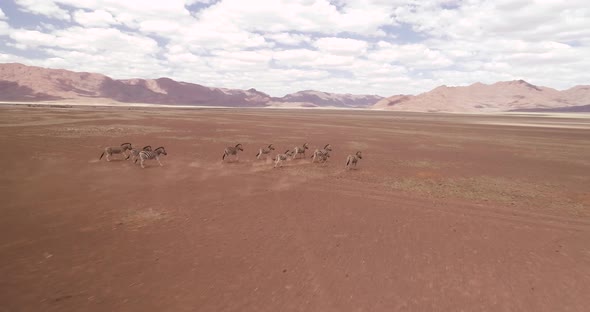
(347, 162)
(101, 156)
(222, 158)
(258, 154)
(135, 162)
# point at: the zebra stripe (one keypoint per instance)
(111, 150)
(155, 154)
(232, 150)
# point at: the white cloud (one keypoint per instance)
(418, 56)
(288, 38)
(92, 40)
(294, 57)
(301, 16)
(4, 28)
(11, 58)
(46, 8)
(32, 38)
(280, 46)
(341, 46)
(94, 18)
(523, 19)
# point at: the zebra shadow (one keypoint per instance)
(102, 160)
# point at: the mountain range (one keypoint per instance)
(22, 83)
(517, 95)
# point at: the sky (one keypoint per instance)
(382, 47)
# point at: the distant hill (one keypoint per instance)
(323, 99)
(479, 97)
(22, 83)
(29, 83)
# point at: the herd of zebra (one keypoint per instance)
(135, 154)
(146, 153)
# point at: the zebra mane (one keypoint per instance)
(238, 144)
(126, 144)
(161, 147)
(270, 146)
(286, 151)
(146, 147)
(304, 144)
(326, 146)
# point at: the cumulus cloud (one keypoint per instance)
(341, 46)
(98, 18)
(46, 8)
(4, 28)
(363, 46)
(288, 38)
(89, 40)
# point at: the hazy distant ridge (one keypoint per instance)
(23, 83)
(19, 82)
(479, 97)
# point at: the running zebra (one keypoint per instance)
(264, 151)
(300, 150)
(353, 159)
(111, 150)
(155, 154)
(322, 155)
(134, 153)
(232, 150)
(282, 157)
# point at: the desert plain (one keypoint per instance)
(446, 212)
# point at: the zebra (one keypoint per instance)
(353, 159)
(322, 154)
(300, 150)
(155, 154)
(282, 157)
(232, 150)
(134, 153)
(264, 151)
(111, 150)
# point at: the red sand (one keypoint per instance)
(445, 213)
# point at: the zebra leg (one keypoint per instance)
(141, 158)
(108, 156)
(158, 159)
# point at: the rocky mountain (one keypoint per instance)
(29, 83)
(479, 97)
(21, 83)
